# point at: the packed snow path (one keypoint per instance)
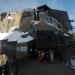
(35, 68)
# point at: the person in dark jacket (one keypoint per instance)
(47, 57)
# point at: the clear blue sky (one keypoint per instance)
(14, 5)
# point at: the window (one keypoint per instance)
(24, 48)
(8, 47)
(18, 48)
(3, 44)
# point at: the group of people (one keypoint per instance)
(45, 56)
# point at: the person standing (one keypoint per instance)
(47, 57)
(42, 56)
(38, 56)
(31, 53)
(51, 56)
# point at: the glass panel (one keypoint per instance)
(4, 44)
(24, 48)
(8, 47)
(18, 48)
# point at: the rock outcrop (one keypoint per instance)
(19, 19)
